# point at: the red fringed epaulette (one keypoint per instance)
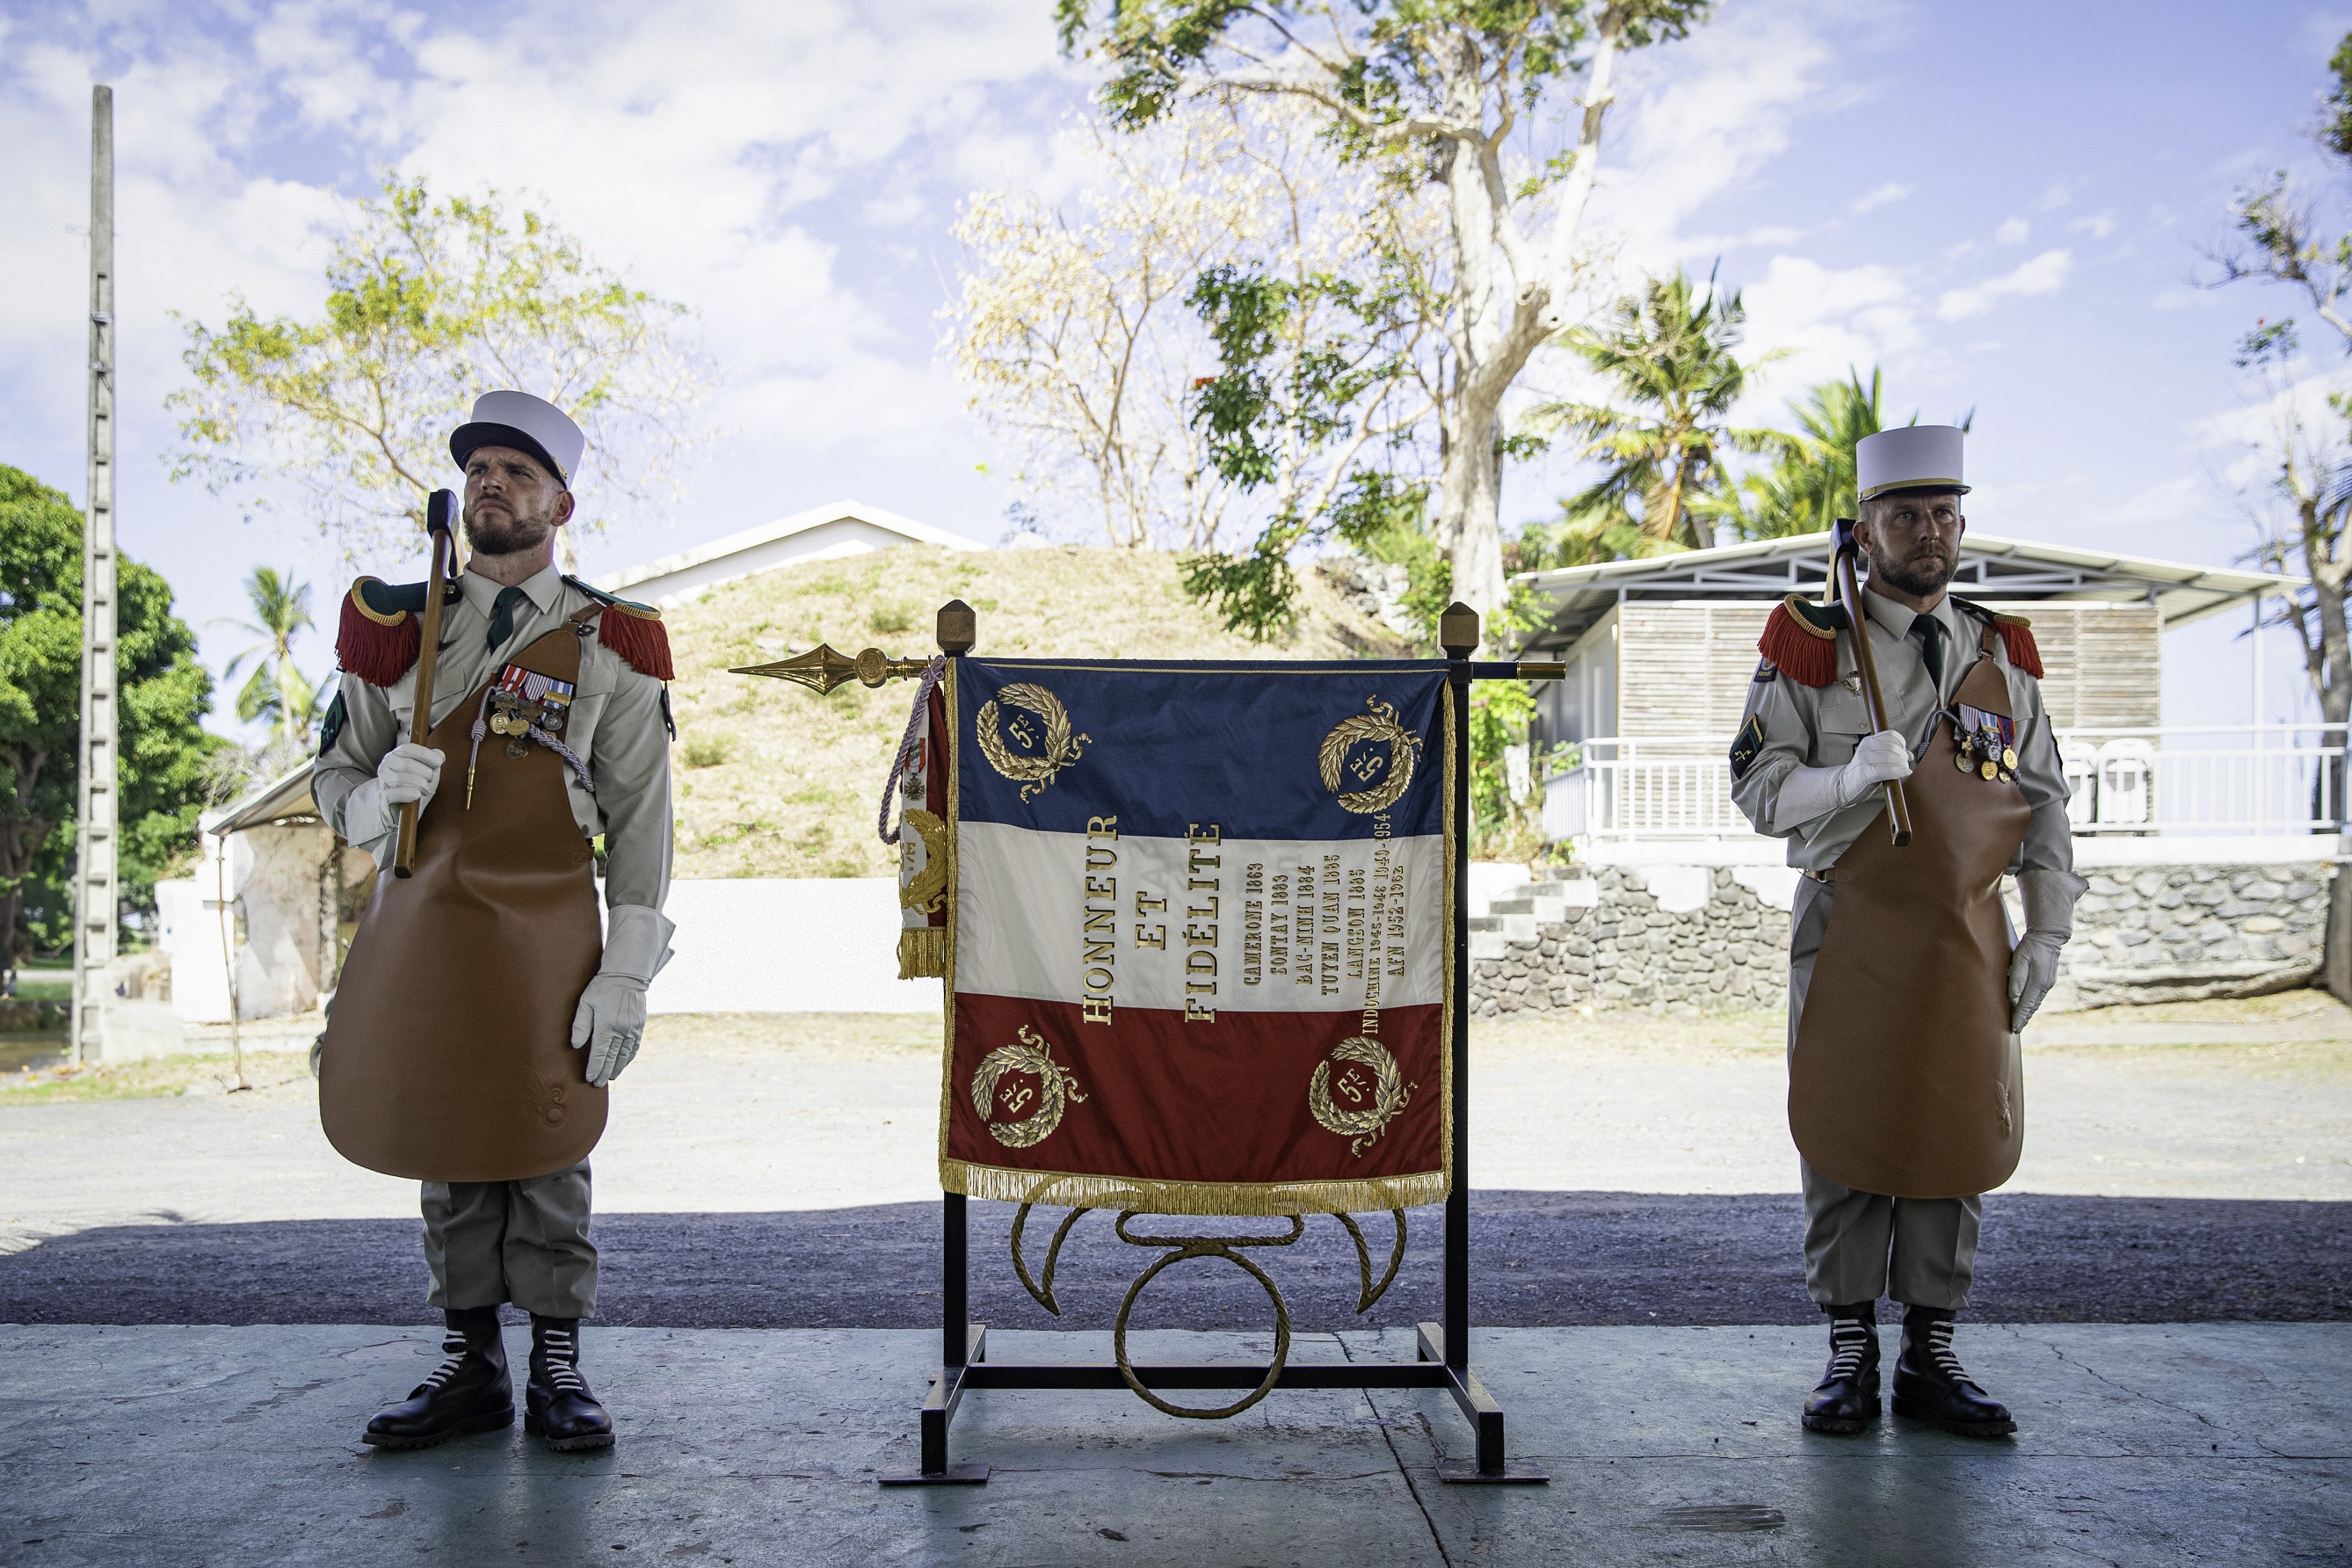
(381, 630)
(2017, 641)
(1801, 640)
(633, 631)
(2016, 635)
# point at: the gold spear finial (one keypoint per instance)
(825, 667)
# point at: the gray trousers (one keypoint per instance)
(1862, 1246)
(525, 1242)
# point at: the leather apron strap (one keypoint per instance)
(448, 1054)
(1905, 1078)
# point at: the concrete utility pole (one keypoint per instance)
(95, 895)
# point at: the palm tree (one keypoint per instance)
(1810, 483)
(1670, 351)
(277, 691)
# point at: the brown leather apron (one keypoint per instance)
(1905, 1078)
(448, 1053)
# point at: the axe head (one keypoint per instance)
(1842, 538)
(440, 511)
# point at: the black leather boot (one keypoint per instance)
(559, 1407)
(1847, 1399)
(1931, 1386)
(469, 1392)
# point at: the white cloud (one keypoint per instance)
(1826, 321)
(1703, 114)
(2045, 274)
(2013, 232)
(2098, 225)
(1889, 191)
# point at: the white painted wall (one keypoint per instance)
(777, 945)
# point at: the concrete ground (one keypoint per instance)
(2185, 1162)
(2222, 1445)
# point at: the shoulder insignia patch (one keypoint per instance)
(633, 631)
(1765, 672)
(1747, 746)
(332, 725)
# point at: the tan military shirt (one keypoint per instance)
(1818, 727)
(616, 724)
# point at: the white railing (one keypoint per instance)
(2270, 779)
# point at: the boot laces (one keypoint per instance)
(1937, 1348)
(1849, 1338)
(455, 1346)
(559, 1355)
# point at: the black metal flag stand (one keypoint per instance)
(1442, 1351)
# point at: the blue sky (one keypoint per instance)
(2000, 203)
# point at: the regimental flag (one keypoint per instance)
(1199, 935)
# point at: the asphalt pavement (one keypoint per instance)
(1538, 1260)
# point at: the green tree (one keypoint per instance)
(430, 303)
(1811, 483)
(164, 695)
(277, 691)
(1494, 107)
(1669, 353)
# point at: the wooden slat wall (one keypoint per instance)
(1684, 668)
(2103, 664)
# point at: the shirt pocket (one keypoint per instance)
(1840, 723)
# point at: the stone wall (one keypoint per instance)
(2180, 933)
(1711, 944)
(1680, 941)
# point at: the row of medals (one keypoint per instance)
(1981, 754)
(514, 717)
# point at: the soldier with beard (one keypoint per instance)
(481, 1013)
(1905, 1096)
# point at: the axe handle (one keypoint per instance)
(1865, 663)
(420, 721)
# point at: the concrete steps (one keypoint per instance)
(1515, 916)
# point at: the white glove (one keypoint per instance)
(2032, 971)
(2049, 896)
(610, 1021)
(1809, 793)
(371, 811)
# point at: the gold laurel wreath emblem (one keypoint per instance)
(1056, 1087)
(924, 889)
(1391, 1093)
(1060, 750)
(1379, 723)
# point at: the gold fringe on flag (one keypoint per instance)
(923, 952)
(1268, 1200)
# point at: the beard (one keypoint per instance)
(1925, 570)
(504, 532)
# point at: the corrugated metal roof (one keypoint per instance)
(2007, 571)
(286, 799)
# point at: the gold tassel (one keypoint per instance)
(923, 952)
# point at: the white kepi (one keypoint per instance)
(527, 424)
(1913, 458)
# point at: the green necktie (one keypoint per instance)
(502, 616)
(1931, 638)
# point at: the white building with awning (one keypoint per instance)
(1660, 653)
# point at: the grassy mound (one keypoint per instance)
(775, 780)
